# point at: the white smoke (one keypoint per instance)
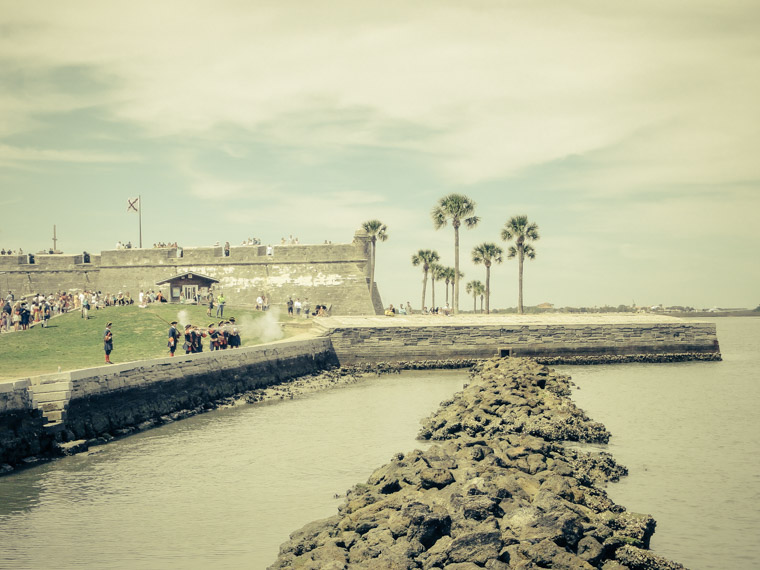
(264, 329)
(183, 317)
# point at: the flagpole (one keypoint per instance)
(139, 216)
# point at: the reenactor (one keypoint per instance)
(108, 342)
(173, 338)
(214, 336)
(189, 340)
(198, 336)
(234, 335)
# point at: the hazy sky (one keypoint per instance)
(628, 132)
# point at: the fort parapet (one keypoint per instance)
(336, 275)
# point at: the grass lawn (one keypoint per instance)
(72, 342)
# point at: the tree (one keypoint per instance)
(436, 272)
(519, 229)
(448, 276)
(487, 254)
(376, 230)
(453, 280)
(457, 208)
(425, 257)
(474, 288)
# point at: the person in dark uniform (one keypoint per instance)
(234, 338)
(198, 336)
(108, 342)
(173, 338)
(213, 336)
(189, 340)
(223, 335)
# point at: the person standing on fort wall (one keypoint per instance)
(108, 342)
(173, 338)
(220, 305)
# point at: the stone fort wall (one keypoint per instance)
(331, 274)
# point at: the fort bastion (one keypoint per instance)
(335, 275)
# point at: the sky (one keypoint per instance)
(627, 131)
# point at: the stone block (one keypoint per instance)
(50, 397)
(51, 387)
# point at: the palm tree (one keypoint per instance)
(457, 208)
(482, 293)
(519, 229)
(487, 254)
(425, 257)
(453, 280)
(436, 273)
(473, 288)
(376, 230)
(448, 275)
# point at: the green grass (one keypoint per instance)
(72, 342)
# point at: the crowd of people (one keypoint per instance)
(407, 310)
(221, 337)
(21, 314)
(298, 308)
(9, 252)
(163, 244)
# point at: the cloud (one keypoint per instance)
(17, 156)
(485, 92)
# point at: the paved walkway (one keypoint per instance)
(486, 320)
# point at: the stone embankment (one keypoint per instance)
(498, 489)
(24, 442)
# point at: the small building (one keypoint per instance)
(188, 287)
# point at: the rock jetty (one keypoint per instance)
(499, 488)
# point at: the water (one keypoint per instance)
(225, 489)
(690, 435)
(219, 490)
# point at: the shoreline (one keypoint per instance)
(497, 489)
(284, 390)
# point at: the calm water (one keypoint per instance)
(690, 435)
(225, 489)
(220, 490)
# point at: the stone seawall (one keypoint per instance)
(388, 339)
(38, 413)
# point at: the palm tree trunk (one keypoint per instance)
(481, 303)
(432, 292)
(474, 303)
(455, 301)
(520, 281)
(488, 290)
(424, 287)
(447, 293)
(372, 277)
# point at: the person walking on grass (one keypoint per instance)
(173, 338)
(108, 342)
(220, 305)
